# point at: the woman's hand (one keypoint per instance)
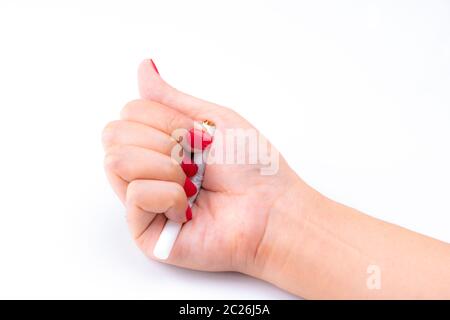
(234, 216)
(268, 224)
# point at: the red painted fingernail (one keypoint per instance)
(199, 139)
(189, 188)
(190, 169)
(188, 213)
(154, 66)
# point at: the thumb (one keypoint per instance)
(153, 87)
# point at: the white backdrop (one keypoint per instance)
(360, 87)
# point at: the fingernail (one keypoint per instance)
(190, 169)
(189, 188)
(188, 213)
(199, 139)
(154, 66)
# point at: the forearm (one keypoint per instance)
(328, 250)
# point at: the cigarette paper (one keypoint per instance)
(171, 229)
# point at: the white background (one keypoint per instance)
(354, 93)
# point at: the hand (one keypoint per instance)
(273, 227)
(238, 208)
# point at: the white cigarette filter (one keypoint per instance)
(171, 229)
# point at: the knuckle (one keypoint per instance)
(116, 162)
(134, 192)
(110, 133)
(130, 109)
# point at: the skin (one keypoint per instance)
(273, 227)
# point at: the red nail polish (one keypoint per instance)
(154, 66)
(190, 169)
(189, 188)
(199, 139)
(188, 213)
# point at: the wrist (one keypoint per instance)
(285, 236)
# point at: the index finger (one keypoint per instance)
(156, 115)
